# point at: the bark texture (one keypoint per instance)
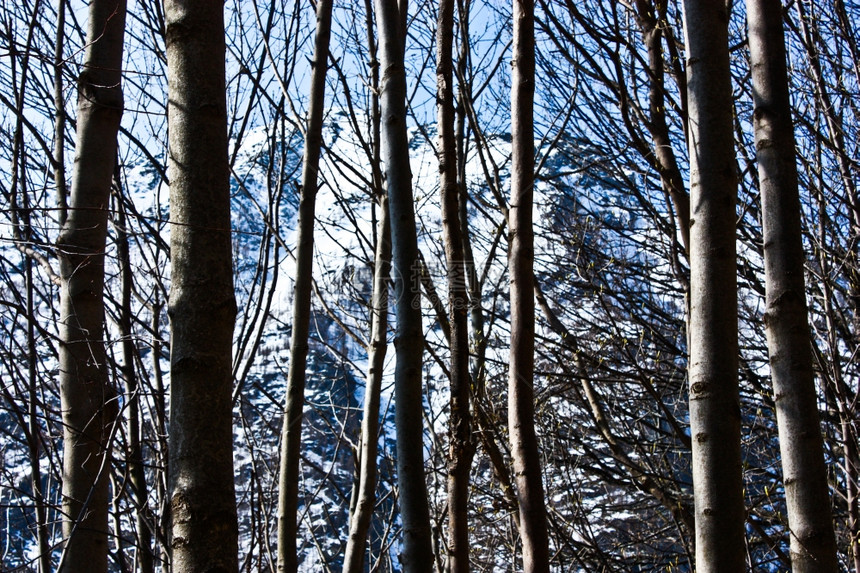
(406, 274)
(202, 308)
(521, 423)
(713, 364)
(88, 400)
(291, 433)
(813, 544)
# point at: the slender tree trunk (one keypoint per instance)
(364, 494)
(88, 400)
(60, 117)
(836, 398)
(650, 14)
(851, 469)
(464, 95)
(813, 544)
(34, 430)
(713, 365)
(202, 308)
(417, 553)
(812, 38)
(291, 433)
(461, 448)
(134, 454)
(42, 535)
(521, 422)
(161, 521)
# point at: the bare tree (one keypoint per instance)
(460, 447)
(291, 434)
(88, 399)
(521, 415)
(202, 306)
(828, 72)
(406, 273)
(365, 497)
(715, 418)
(364, 494)
(134, 453)
(813, 545)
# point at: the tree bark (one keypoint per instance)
(713, 364)
(521, 422)
(202, 306)
(291, 433)
(813, 544)
(406, 273)
(461, 448)
(88, 399)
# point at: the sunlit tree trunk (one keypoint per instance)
(460, 448)
(291, 433)
(713, 364)
(417, 552)
(88, 399)
(813, 544)
(521, 415)
(202, 306)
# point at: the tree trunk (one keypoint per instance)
(60, 118)
(291, 433)
(161, 519)
(650, 14)
(134, 454)
(713, 365)
(521, 423)
(461, 448)
(464, 98)
(813, 543)
(364, 493)
(88, 400)
(34, 428)
(202, 306)
(406, 273)
(367, 457)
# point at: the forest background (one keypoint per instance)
(611, 283)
